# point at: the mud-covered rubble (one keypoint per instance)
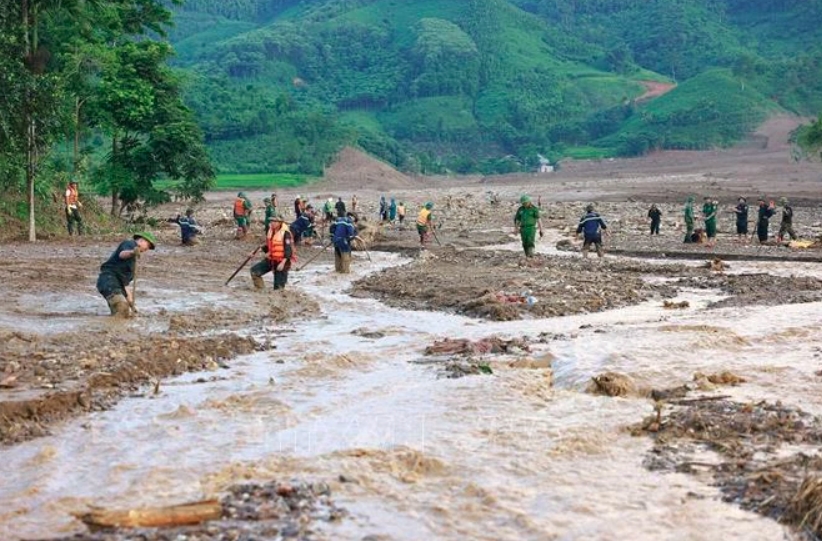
(49, 378)
(251, 511)
(498, 285)
(766, 455)
(751, 289)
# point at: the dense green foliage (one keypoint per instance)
(486, 85)
(79, 71)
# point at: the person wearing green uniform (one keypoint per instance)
(270, 212)
(526, 221)
(786, 226)
(689, 218)
(118, 271)
(709, 209)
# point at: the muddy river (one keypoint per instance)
(345, 398)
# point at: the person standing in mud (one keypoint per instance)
(741, 211)
(425, 223)
(274, 201)
(688, 212)
(354, 203)
(655, 215)
(786, 225)
(342, 233)
(280, 253)
(709, 209)
(392, 211)
(763, 220)
(526, 222)
(340, 207)
(401, 212)
(298, 206)
(73, 206)
(383, 209)
(270, 212)
(589, 226)
(117, 272)
(242, 215)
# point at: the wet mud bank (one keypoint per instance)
(503, 286)
(51, 378)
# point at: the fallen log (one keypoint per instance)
(186, 514)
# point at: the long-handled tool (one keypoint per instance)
(315, 256)
(243, 264)
(364, 247)
(133, 302)
(436, 238)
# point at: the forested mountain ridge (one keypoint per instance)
(430, 85)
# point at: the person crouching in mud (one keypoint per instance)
(118, 272)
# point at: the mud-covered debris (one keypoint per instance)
(753, 469)
(671, 305)
(717, 265)
(613, 384)
(805, 508)
(458, 368)
(368, 333)
(462, 346)
(721, 378)
(274, 510)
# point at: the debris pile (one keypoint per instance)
(248, 511)
(462, 346)
(752, 469)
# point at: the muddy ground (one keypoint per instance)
(61, 356)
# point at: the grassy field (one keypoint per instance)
(258, 181)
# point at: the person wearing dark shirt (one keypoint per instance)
(589, 226)
(786, 226)
(117, 272)
(763, 220)
(741, 211)
(655, 215)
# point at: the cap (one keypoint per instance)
(429, 205)
(148, 236)
(525, 199)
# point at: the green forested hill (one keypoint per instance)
(486, 85)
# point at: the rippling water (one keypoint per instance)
(509, 456)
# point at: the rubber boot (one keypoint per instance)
(119, 306)
(345, 262)
(257, 281)
(338, 261)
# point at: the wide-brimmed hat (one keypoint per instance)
(525, 199)
(148, 236)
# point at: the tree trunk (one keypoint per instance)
(77, 105)
(30, 127)
(114, 190)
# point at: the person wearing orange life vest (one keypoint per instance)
(242, 214)
(280, 253)
(425, 223)
(73, 205)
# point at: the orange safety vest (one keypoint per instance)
(72, 196)
(239, 207)
(423, 217)
(275, 241)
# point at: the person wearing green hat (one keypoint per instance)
(709, 210)
(280, 254)
(786, 225)
(526, 221)
(242, 214)
(117, 272)
(425, 223)
(270, 212)
(688, 211)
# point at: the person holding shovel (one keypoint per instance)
(526, 221)
(119, 270)
(425, 223)
(280, 253)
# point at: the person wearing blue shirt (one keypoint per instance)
(342, 233)
(589, 226)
